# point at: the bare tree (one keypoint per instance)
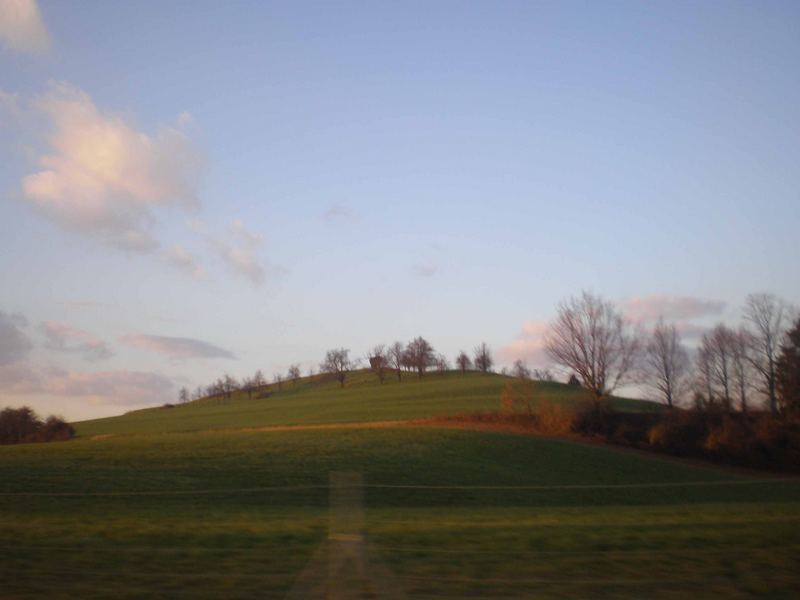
(741, 364)
(717, 350)
(198, 393)
(258, 379)
(590, 337)
(767, 315)
(442, 366)
(247, 386)
(483, 358)
(542, 375)
(337, 362)
(704, 382)
(294, 374)
(229, 385)
(666, 364)
(395, 357)
(277, 379)
(520, 370)
(378, 361)
(183, 395)
(420, 355)
(463, 362)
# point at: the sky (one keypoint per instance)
(195, 188)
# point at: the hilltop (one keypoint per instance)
(319, 400)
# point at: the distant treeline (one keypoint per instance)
(596, 346)
(23, 425)
(416, 357)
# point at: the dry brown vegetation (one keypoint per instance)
(754, 440)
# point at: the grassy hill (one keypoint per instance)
(315, 400)
(207, 509)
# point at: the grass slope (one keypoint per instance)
(317, 401)
(724, 536)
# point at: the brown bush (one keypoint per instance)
(517, 397)
(554, 419)
(732, 438)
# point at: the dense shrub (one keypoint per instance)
(22, 425)
(594, 419)
(554, 419)
(679, 432)
(732, 438)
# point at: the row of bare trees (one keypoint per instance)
(224, 387)
(730, 368)
(417, 356)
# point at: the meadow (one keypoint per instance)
(451, 513)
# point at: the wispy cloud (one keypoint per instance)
(103, 178)
(22, 28)
(176, 347)
(337, 212)
(123, 387)
(426, 271)
(646, 309)
(239, 251)
(14, 343)
(78, 304)
(182, 259)
(65, 338)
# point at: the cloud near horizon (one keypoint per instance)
(528, 347)
(176, 348)
(65, 338)
(22, 28)
(120, 388)
(648, 309)
(102, 178)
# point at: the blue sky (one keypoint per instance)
(269, 180)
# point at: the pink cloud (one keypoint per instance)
(104, 387)
(102, 178)
(65, 338)
(181, 258)
(647, 309)
(529, 345)
(175, 347)
(22, 28)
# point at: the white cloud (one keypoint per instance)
(181, 258)
(14, 344)
(103, 178)
(22, 28)
(647, 309)
(175, 347)
(65, 338)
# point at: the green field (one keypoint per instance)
(449, 513)
(363, 399)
